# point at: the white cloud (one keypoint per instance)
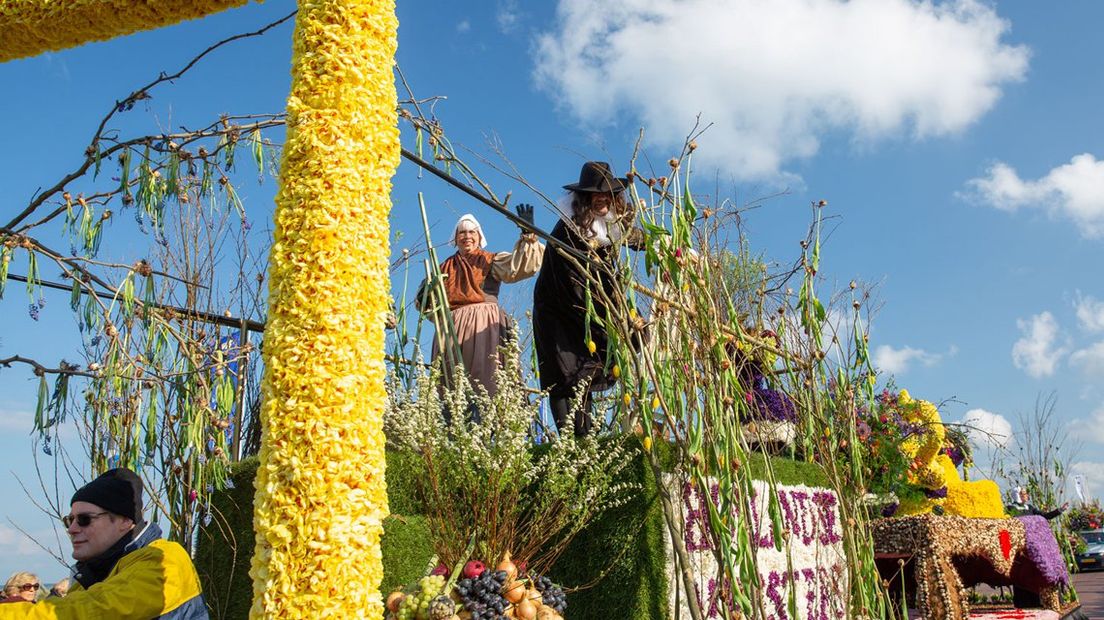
(1090, 359)
(897, 361)
(986, 428)
(1074, 191)
(508, 15)
(1038, 351)
(463, 26)
(14, 542)
(1091, 428)
(774, 77)
(1090, 313)
(16, 421)
(1094, 478)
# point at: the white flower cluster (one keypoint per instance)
(482, 448)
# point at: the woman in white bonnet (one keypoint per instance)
(473, 277)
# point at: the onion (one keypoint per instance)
(514, 592)
(525, 610)
(394, 600)
(507, 565)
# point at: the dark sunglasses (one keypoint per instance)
(29, 587)
(83, 519)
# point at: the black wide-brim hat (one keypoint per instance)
(596, 177)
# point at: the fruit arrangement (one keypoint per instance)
(479, 593)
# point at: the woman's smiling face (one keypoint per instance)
(467, 237)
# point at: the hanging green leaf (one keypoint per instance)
(233, 199)
(688, 204)
(231, 142)
(96, 159)
(57, 401)
(67, 227)
(147, 298)
(206, 182)
(124, 172)
(75, 293)
(151, 424)
(40, 406)
(128, 294)
(91, 316)
(32, 273)
(258, 151)
(95, 235)
(172, 175)
(5, 260)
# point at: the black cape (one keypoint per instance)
(559, 315)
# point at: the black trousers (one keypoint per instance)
(581, 420)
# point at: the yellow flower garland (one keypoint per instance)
(30, 27)
(321, 496)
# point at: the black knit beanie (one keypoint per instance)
(116, 490)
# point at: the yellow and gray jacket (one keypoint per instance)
(154, 579)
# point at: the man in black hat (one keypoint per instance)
(124, 569)
(571, 350)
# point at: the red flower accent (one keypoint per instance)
(1006, 543)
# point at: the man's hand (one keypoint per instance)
(525, 213)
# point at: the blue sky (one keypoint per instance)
(956, 145)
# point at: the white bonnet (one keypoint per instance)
(469, 218)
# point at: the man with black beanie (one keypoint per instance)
(124, 569)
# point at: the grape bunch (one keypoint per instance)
(552, 595)
(482, 596)
(416, 604)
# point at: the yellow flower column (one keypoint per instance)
(321, 496)
(30, 27)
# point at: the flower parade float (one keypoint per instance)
(675, 508)
(946, 534)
